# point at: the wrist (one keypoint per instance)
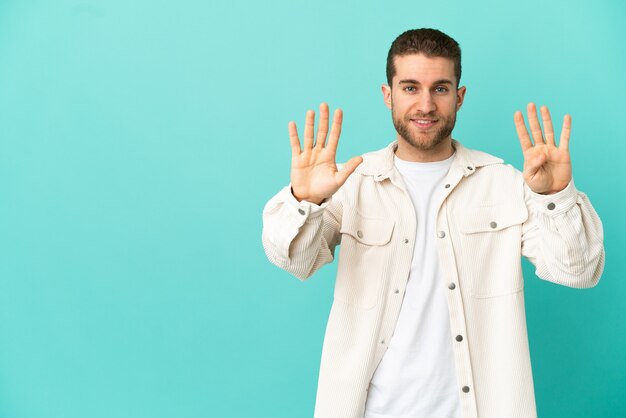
(306, 198)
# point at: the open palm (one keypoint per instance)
(314, 173)
(547, 168)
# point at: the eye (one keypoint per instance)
(410, 89)
(441, 89)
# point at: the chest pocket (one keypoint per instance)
(491, 246)
(363, 253)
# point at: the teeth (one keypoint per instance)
(424, 122)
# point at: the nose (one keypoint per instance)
(425, 103)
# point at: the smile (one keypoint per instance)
(423, 123)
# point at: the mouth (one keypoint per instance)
(424, 123)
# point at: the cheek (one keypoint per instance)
(457, 103)
(400, 104)
(449, 106)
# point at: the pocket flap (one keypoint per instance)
(492, 218)
(368, 231)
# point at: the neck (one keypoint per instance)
(408, 152)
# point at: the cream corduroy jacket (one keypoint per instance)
(488, 219)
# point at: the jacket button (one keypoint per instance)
(551, 206)
(447, 186)
(301, 211)
(359, 234)
(451, 286)
(465, 389)
(493, 225)
(396, 291)
(459, 338)
(441, 234)
(406, 240)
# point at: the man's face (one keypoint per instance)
(423, 100)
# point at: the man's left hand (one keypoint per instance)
(547, 168)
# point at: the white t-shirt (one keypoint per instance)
(417, 377)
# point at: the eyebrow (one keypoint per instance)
(410, 81)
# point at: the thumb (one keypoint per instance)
(348, 168)
(532, 165)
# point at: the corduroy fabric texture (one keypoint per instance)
(488, 220)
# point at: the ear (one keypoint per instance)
(460, 96)
(386, 95)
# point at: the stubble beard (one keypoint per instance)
(423, 141)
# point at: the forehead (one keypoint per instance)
(423, 69)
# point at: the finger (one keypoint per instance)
(522, 133)
(533, 122)
(547, 125)
(322, 129)
(335, 131)
(565, 132)
(343, 174)
(294, 140)
(309, 124)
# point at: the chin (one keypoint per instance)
(425, 145)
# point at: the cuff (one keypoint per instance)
(558, 203)
(303, 209)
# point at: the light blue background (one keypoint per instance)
(139, 141)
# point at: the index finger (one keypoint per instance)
(522, 133)
(335, 131)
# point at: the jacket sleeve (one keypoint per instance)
(563, 237)
(300, 237)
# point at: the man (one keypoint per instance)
(428, 316)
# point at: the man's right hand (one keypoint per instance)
(314, 174)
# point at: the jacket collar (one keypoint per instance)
(380, 163)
